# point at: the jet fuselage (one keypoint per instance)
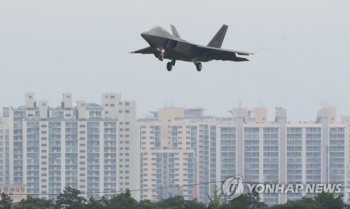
(164, 45)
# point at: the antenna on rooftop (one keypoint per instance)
(280, 102)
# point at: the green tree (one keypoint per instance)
(70, 199)
(177, 202)
(250, 200)
(303, 203)
(174, 202)
(194, 204)
(215, 200)
(34, 203)
(95, 203)
(121, 201)
(147, 204)
(5, 201)
(321, 201)
(328, 200)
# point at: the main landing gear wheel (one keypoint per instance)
(199, 66)
(161, 57)
(169, 66)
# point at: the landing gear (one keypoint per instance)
(169, 66)
(161, 56)
(199, 66)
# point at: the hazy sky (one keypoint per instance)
(301, 62)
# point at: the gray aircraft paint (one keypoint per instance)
(163, 45)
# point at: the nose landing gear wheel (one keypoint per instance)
(199, 66)
(169, 66)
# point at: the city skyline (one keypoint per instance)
(83, 48)
(95, 147)
(88, 147)
(224, 113)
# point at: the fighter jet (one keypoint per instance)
(163, 45)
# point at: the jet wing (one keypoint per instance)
(213, 53)
(147, 50)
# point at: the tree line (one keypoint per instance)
(71, 199)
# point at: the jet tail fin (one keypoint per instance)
(217, 40)
(174, 31)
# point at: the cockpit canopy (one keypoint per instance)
(159, 30)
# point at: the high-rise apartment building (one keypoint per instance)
(4, 152)
(191, 168)
(128, 141)
(182, 147)
(82, 145)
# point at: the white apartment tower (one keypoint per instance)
(4, 152)
(82, 145)
(178, 154)
(182, 148)
(128, 141)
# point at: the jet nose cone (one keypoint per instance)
(145, 34)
